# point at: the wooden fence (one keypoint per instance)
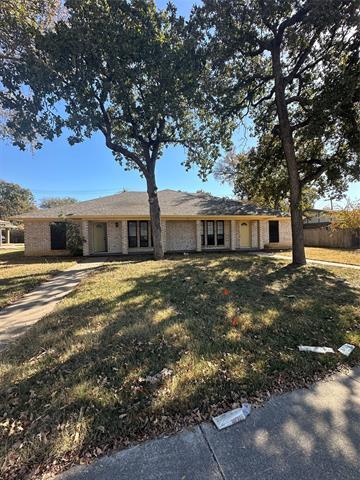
(322, 236)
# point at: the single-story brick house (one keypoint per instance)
(120, 224)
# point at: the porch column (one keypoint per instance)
(261, 232)
(254, 227)
(198, 235)
(85, 236)
(233, 234)
(124, 238)
(0, 237)
(163, 234)
(7, 234)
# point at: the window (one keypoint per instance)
(132, 234)
(215, 232)
(220, 232)
(210, 232)
(139, 234)
(144, 234)
(58, 235)
(273, 231)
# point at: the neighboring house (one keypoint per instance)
(318, 231)
(5, 228)
(317, 215)
(120, 224)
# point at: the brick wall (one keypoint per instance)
(114, 237)
(285, 233)
(180, 235)
(177, 236)
(85, 236)
(263, 233)
(254, 234)
(37, 239)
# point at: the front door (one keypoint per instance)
(245, 235)
(99, 237)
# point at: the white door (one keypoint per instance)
(245, 241)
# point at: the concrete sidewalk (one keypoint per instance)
(18, 317)
(307, 434)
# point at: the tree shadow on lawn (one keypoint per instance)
(12, 288)
(77, 382)
(18, 258)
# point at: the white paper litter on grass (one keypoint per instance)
(305, 348)
(346, 349)
(232, 417)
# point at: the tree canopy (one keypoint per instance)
(292, 65)
(127, 70)
(260, 175)
(51, 202)
(20, 21)
(14, 199)
(347, 217)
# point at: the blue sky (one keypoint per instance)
(88, 170)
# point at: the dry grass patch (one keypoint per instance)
(350, 256)
(94, 375)
(20, 274)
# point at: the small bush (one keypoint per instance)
(74, 240)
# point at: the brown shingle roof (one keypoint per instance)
(172, 203)
(6, 224)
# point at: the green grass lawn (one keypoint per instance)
(227, 327)
(20, 274)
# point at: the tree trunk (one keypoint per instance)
(155, 216)
(298, 250)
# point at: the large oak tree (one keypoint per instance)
(122, 68)
(14, 199)
(292, 65)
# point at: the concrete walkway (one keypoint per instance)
(315, 262)
(307, 434)
(19, 316)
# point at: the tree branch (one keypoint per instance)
(313, 176)
(300, 125)
(263, 99)
(289, 22)
(107, 132)
(157, 141)
(301, 58)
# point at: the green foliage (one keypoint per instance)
(260, 175)
(348, 217)
(318, 43)
(14, 199)
(123, 68)
(20, 20)
(52, 202)
(74, 239)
